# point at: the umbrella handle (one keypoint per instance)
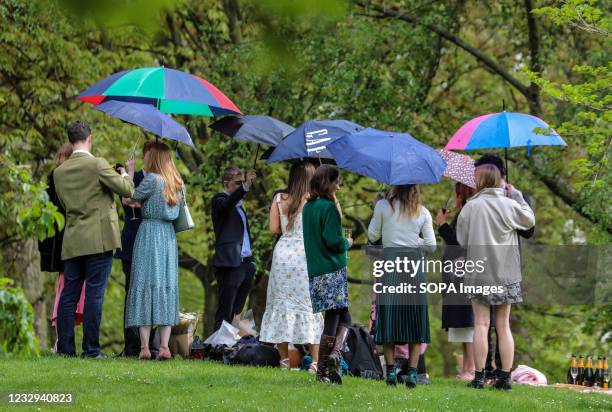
(507, 171)
(256, 154)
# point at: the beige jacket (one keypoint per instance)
(85, 186)
(487, 227)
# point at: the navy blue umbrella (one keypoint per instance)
(311, 138)
(391, 158)
(147, 117)
(253, 128)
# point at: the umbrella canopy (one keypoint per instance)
(257, 129)
(459, 167)
(147, 117)
(392, 158)
(311, 138)
(503, 130)
(171, 91)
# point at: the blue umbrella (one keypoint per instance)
(391, 158)
(311, 138)
(147, 117)
(253, 128)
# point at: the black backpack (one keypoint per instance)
(248, 351)
(361, 355)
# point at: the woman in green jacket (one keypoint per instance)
(326, 249)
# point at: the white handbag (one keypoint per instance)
(184, 221)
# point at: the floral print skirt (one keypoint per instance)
(512, 294)
(329, 291)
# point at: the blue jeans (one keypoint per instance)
(94, 270)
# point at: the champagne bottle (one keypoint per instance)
(605, 375)
(580, 377)
(573, 364)
(597, 376)
(588, 372)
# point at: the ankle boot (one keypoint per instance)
(333, 362)
(411, 378)
(391, 375)
(325, 347)
(478, 381)
(503, 380)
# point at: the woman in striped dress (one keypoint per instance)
(406, 230)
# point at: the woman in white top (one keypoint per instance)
(288, 317)
(406, 230)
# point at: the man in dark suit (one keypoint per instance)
(233, 258)
(132, 217)
(489, 158)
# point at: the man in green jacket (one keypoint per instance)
(86, 186)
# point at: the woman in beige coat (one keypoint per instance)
(487, 227)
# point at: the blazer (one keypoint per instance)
(487, 227)
(85, 187)
(229, 229)
(51, 248)
(130, 225)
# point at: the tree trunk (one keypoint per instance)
(21, 262)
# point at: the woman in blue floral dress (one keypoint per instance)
(153, 293)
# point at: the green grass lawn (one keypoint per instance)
(119, 384)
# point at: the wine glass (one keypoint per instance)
(348, 232)
(133, 213)
(574, 373)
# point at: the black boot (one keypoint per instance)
(503, 380)
(325, 347)
(333, 362)
(478, 381)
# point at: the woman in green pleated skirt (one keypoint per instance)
(406, 230)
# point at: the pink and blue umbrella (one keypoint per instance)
(504, 130)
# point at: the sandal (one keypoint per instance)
(145, 354)
(284, 364)
(164, 353)
(313, 368)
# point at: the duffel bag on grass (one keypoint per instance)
(254, 354)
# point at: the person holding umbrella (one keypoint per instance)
(85, 186)
(326, 248)
(491, 372)
(233, 259)
(487, 227)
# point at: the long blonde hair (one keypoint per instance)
(409, 199)
(487, 175)
(159, 160)
(299, 183)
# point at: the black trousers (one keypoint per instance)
(131, 336)
(233, 287)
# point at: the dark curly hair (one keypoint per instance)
(490, 158)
